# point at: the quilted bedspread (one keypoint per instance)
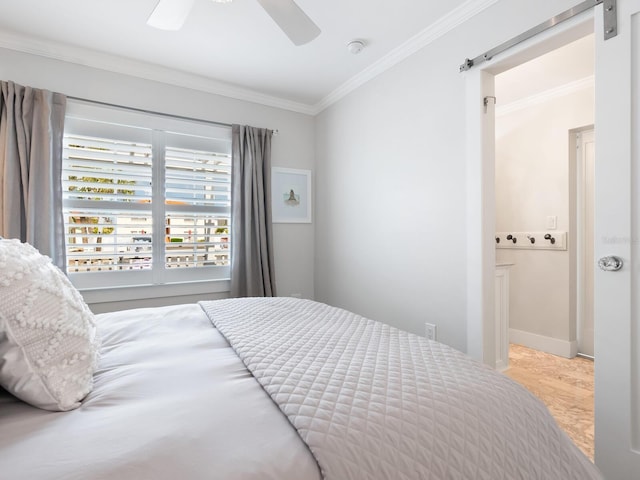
(375, 402)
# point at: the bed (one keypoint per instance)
(283, 388)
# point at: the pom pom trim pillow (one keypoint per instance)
(48, 343)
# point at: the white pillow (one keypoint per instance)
(48, 343)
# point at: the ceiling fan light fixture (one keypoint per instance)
(171, 15)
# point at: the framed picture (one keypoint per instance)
(291, 195)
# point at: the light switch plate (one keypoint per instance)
(552, 222)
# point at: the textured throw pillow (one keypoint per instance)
(48, 343)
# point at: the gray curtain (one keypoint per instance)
(31, 128)
(252, 271)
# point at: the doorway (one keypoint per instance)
(541, 107)
(583, 144)
(543, 183)
(616, 199)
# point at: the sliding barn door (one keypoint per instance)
(617, 237)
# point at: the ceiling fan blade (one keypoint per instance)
(292, 20)
(170, 14)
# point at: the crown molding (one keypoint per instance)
(149, 71)
(547, 95)
(434, 31)
(112, 63)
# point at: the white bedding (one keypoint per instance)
(374, 402)
(171, 401)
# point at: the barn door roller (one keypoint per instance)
(610, 29)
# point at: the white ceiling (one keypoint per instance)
(566, 66)
(235, 45)
(237, 50)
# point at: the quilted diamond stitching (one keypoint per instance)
(374, 402)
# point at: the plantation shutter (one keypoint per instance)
(107, 203)
(144, 205)
(198, 201)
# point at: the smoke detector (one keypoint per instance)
(355, 46)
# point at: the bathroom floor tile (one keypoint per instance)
(564, 385)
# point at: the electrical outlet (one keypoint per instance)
(431, 331)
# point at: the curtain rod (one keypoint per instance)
(152, 112)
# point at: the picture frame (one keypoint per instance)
(291, 199)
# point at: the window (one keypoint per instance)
(146, 198)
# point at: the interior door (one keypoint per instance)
(586, 167)
(617, 217)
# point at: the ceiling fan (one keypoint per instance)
(171, 14)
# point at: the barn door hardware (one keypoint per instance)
(610, 29)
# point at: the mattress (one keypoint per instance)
(284, 389)
(171, 400)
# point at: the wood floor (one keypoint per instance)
(564, 385)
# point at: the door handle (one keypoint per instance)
(610, 263)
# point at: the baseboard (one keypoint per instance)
(555, 346)
(501, 366)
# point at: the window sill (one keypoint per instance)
(143, 292)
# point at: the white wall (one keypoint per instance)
(391, 179)
(293, 147)
(533, 178)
